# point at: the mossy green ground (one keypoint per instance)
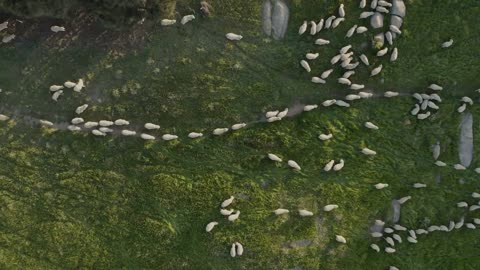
(75, 201)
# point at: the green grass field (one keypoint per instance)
(76, 201)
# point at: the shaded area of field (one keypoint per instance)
(77, 201)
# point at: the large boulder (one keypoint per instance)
(377, 20)
(280, 15)
(267, 17)
(465, 146)
(398, 8)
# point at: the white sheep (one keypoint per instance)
(321, 41)
(337, 22)
(339, 166)
(355, 86)
(227, 202)
(342, 103)
(432, 105)
(127, 132)
(352, 97)
(424, 105)
(121, 122)
(305, 65)
(421, 231)
(239, 249)
(106, 130)
(194, 135)
(318, 80)
(470, 226)
(73, 128)
(335, 59)
(81, 109)
(54, 87)
(467, 100)
(347, 75)
(167, 22)
(210, 226)
(274, 157)
(382, 52)
(97, 132)
(329, 21)
(462, 204)
(77, 120)
(376, 70)
(341, 11)
(462, 108)
(365, 95)
(56, 28)
(404, 199)
(294, 165)
(435, 87)
(390, 241)
(234, 217)
(312, 56)
(280, 211)
(389, 37)
(361, 29)
(313, 28)
(271, 114)
(380, 186)
(151, 126)
(56, 95)
(282, 113)
(384, 3)
(238, 126)
(302, 28)
(363, 3)
(147, 136)
(330, 207)
(90, 124)
(326, 73)
(460, 223)
(399, 227)
(219, 131)
(397, 237)
(447, 44)
(379, 222)
(477, 170)
(69, 84)
(459, 167)
(475, 195)
(308, 108)
(233, 251)
(325, 137)
(344, 81)
(382, 9)
(340, 239)
(366, 14)
(368, 152)
(351, 31)
(371, 125)
(233, 37)
(394, 55)
(4, 117)
(105, 123)
(79, 86)
(187, 18)
(422, 116)
(305, 213)
(329, 165)
(375, 247)
(329, 102)
(320, 25)
(273, 119)
(226, 212)
(419, 185)
(395, 29)
(374, 4)
(388, 230)
(440, 163)
(474, 207)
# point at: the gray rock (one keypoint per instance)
(465, 147)
(300, 243)
(280, 15)
(436, 150)
(267, 17)
(377, 20)
(396, 211)
(398, 8)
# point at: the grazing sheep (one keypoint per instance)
(294, 165)
(147, 137)
(447, 44)
(227, 202)
(77, 120)
(397, 237)
(375, 247)
(365, 95)
(329, 21)
(470, 226)
(382, 10)
(440, 163)
(368, 152)
(352, 97)
(380, 186)
(337, 22)
(389, 241)
(282, 113)
(4, 117)
(376, 70)
(187, 18)
(399, 227)
(121, 122)
(391, 267)
(339, 166)
(474, 207)
(302, 28)
(79, 86)
(234, 217)
(69, 84)
(341, 11)
(127, 132)
(318, 80)
(238, 126)
(313, 28)
(340, 239)
(435, 87)
(382, 52)
(342, 103)
(305, 65)
(376, 234)
(335, 59)
(460, 223)
(384, 3)
(379, 222)
(424, 105)
(344, 81)
(419, 185)
(330, 207)
(226, 212)
(320, 26)
(273, 119)
(389, 37)
(74, 128)
(219, 131)
(433, 228)
(57, 94)
(422, 116)
(462, 108)
(233, 251)
(467, 100)
(475, 195)
(329, 165)
(418, 97)
(167, 22)
(81, 109)
(388, 230)
(271, 114)
(56, 28)
(351, 31)
(411, 240)
(151, 126)
(395, 29)
(404, 199)
(361, 29)
(326, 73)
(352, 66)
(210, 226)
(3, 25)
(325, 137)
(462, 204)
(371, 125)
(421, 231)
(364, 59)
(476, 221)
(239, 248)
(97, 132)
(8, 38)
(321, 41)
(366, 14)
(329, 102)
(459, 167)
(105, 123)
(432, 105)
(312, 56)
(106, 130)
(280, 211)
(354, 86)
(394, 55)
(274, 157)
(308, 108)
(90, 124)
(233, 37)
(374, 4)
(54, 87)
(347, 75)
(477, 170)
(305, 213)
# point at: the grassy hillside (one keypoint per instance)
(75, 201)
